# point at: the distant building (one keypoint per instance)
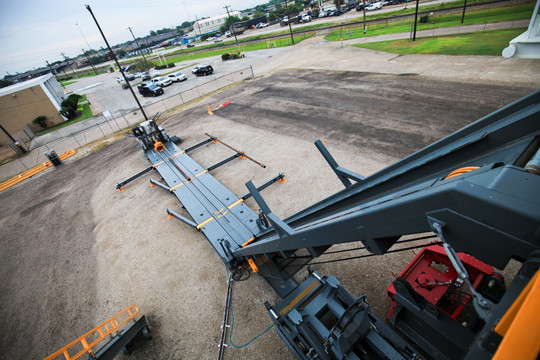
(211, 25)
(23, 102)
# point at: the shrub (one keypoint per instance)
(41, 120)
(170, 65)
(424, 19)
(229, 56)
(69, 106)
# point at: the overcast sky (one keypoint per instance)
(32, 31)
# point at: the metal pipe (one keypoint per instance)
(233, 149)
(225, 318)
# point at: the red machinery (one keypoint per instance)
(432, 275)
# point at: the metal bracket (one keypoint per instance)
(282, 229)
(181, 218)
(344, 175)
(157, 183)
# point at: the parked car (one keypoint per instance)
(156, 72)
(162, 81)
(120, 79)
(149, 89)
(360, 6)
(145, 76)
(374, 6)
(261, 25)
(228, 33)
(177, 77)
(127, 68)
(190, 45)
(203, 70)
(194, 69)
(216, 40)
(305, 18)
(130, 77)
(322, 14)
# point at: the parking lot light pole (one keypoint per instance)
(117, 63)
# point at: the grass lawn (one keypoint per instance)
(249, 47)
(84, 113)
(66, 83)
(503, 13)
(478, 43)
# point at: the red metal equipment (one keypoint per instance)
(432, 275)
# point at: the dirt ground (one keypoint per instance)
(74, 251)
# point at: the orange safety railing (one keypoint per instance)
(113, 325)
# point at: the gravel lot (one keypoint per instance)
(74, 251)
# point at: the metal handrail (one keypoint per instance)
(104, 330)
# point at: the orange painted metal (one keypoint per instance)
(113, 325)
(519, 326)
(33, 171)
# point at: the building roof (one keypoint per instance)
(24, 85)
(233, 13)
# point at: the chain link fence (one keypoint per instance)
(107, 124)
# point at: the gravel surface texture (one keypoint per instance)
(74, 251)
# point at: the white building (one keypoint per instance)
(212, 24)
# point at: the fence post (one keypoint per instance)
(76, 140)
(252, 73)
(127, 122)
(99, 127)
(181, 98)
(23, 164)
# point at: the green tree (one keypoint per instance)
(257, 14)
(142, 65)
(121, 53)
(229, 22)
(153, 33)
(41, 120)
(69, 106)
(4, 83)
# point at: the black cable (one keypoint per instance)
(367, 255)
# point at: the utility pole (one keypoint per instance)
(463, 15)
(139, 47)
(365, 26)
(289, 21)
(226, 7)
(415, 20)
(117, 63)
(198, 25)
(89, 48)
(89, 61)
(67, 60)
